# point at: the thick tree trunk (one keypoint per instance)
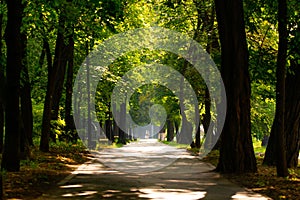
(26, 117)
(26, 104)
(292, 115)
(281, 164)
(185, 134)
(270, 154)
(236, 151)
(11, 154)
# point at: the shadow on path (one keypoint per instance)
(186, 178)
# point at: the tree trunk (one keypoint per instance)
(26, 104)
(26, 117)
(270, 154)
(292, 115)
(89, 119)
(206, 115)
(122, 136)
(236, 150)
(54, 75)
(60, 64)
(2, 86)
(70, 126)
(281, 164)
(185, 134)
(1, 123)
(108, 129)
(11, 154)
(198, 138)
(116, 128)
(170, 130)
(44, 143)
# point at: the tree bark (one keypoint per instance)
(11, 154)
(70, 126)
(170, 130)
(54, 79)
(281, 165)
(60, 60)
(292, 115)
(122, 136)
(26, 104)
(236, 149)
(2, 86)
(270, 154)
(26, 116)
(116, 128)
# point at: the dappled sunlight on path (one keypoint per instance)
(138, 157)
(184, 178)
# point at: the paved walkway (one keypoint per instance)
(147, 170)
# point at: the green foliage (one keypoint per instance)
(175, 144)
(262, 109)
(67, 147)
(58, 127)
(148, 95)
(37, 111)
(94, 21)
(30, 163)
(258, 149)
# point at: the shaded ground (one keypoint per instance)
(43, 171)
(265, 180)
(186, 178)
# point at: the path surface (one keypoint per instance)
(147, 170)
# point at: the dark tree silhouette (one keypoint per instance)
(236, 149)
(11, 154)
(276, 149)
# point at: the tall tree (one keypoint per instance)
(55, 81)
(279, 120)
(2, 84)
(26, 115)
(292, 100)
(292, 114)
(236, 149)
(70, 126)
(11, 154)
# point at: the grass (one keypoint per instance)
(175, 144)
(258, 149)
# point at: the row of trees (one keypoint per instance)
(46, 42)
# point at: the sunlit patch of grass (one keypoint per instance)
(175, 144)
(108, 145)
(258, 149)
